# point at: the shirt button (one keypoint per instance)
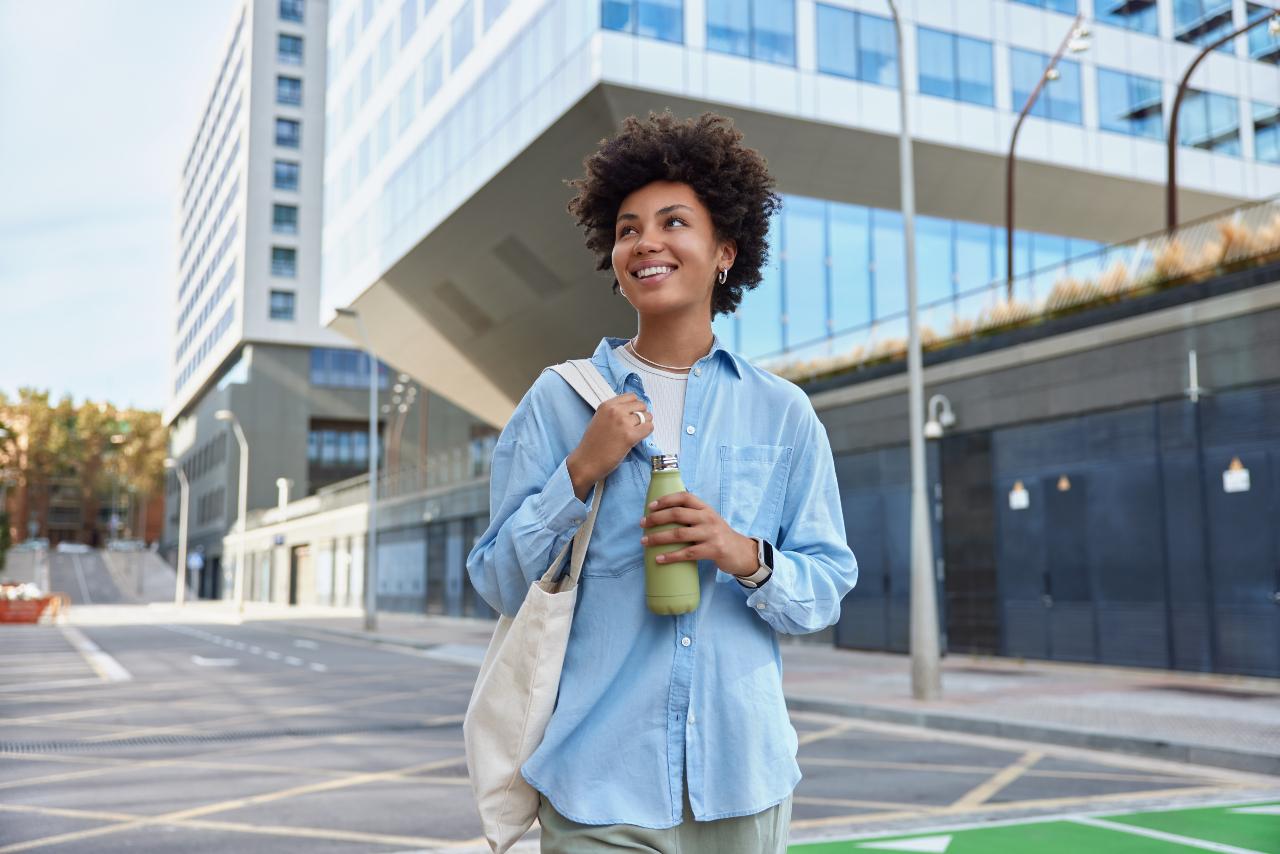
(685, 641)
(689, 430)
(697, 372)
(759, 606)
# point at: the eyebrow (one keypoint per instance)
(668, 209)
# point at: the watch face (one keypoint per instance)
(768, 554)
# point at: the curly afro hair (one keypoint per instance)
(707, 154)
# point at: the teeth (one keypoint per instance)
(652, 271)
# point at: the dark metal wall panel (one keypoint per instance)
(968, 545)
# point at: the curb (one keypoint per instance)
(1196, 754)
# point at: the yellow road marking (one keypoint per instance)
(819, 735)
(981, 793)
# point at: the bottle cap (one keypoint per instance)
(664, 462)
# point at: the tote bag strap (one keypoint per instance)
(588, 382)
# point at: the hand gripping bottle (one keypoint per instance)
(670, 588)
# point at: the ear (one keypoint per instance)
(728, 252)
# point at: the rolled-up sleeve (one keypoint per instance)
(813, 565)
(533, 512)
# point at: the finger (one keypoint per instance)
(692, 535)
(690, 553)
(676, 515)
(676, 499)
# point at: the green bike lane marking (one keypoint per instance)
(1247, 828)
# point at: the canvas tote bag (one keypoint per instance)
(515, 692)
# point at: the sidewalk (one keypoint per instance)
(1225, 721)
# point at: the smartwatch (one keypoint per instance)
(764, 565)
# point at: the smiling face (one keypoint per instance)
(665, 252)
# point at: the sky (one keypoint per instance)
(98, 105)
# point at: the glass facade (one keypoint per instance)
(493, 9)
(1210, 121)
(1130, 104)
(1263, 46)
(760, 29)
(1059, 99)
(1067, 7)
(1141, 16)
(282, 305)
(463, 31)
(1266, 132)
(333, 368)
(655, 19)
(956, 67)
(856, 45)
(1202, 22)
(837, 268)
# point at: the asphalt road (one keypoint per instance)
(85, 578)
(271, 738)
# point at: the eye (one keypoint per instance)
(676, 219)
(623, 232)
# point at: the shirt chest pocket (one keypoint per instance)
(753, 481)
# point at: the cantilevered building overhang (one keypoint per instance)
(470, 275)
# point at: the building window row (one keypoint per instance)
(224, 284)
(338, 446)
(222, 71)
(956, 67)
(655, 19)
(334, 368)
(206, 164)
(764, 30)
(292, 10)
(209, 234)
(214, 263)
(197, 464)
(206, 346)
(211, 506)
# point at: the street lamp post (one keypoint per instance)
(926, 682)
(180, 589)
(1171, 185)
(371, 541)
(1077, 39)
(229, 416)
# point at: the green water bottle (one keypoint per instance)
(670, 588)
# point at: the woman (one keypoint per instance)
(670, 733)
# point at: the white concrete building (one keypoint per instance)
(453, 123)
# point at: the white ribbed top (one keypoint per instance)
(666, 391)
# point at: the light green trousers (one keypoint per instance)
(762, 833)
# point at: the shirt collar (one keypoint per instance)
(605, 359)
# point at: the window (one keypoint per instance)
(407, 103)
(463, 32)
(655, 19)
(1266, 132)
(284, 219)
(1129, 104)
(289, 49)
(288, 90)
(493, 9)
(1067, 7)
(288, 133)
(386, 52)
(1202, 22)
(335, 368)
(1209, 121)
(432, 72)
(286, 175)
(956, 67)
(282, 305)
(284, 262)
(858, 46)
(1263, 46)
(1138, 15)
(1059, 100)
(291, 10)
(761, 29)
(408, 20)
(366, 13)
(366, 80)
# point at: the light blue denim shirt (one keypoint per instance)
(649, 703)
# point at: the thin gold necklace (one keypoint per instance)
(631, 345)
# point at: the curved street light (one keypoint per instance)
(180, 589)
(229, 416)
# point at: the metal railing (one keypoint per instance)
(1245, 236)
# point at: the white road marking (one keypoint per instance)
(293, 660)
(273, 655)
(104, 665)
(214, 662)
(306, 644)
(1266, 809)
(929, 844)
(1163, 837)
(256, 650)
(84, 588)
(318, 668)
